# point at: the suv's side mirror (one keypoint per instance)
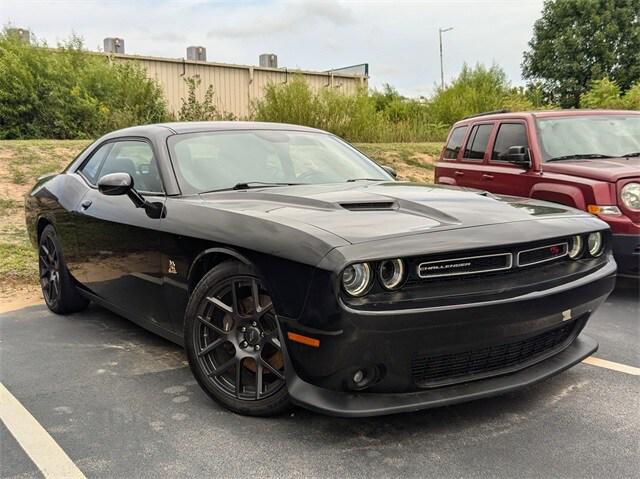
(117, 184)
(390, 170)
(517, 155)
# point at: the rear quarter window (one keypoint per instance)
(478, 141)
(455, 143)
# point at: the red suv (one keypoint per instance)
(588, 159)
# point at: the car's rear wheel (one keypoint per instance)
(233, 341)
(58, 289)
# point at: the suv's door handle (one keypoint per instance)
(85, 204)
(487, 177)
(458, 173)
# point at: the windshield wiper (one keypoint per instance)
(631, 155)
(351, 180)
(580, 156)
(246, 185)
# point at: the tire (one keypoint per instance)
(58, 289)
(235, 348)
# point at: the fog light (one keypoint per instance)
(358, 376)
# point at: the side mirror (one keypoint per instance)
(115, 184)
(390, 170)
(517, 155)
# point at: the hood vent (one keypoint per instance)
(369, 206)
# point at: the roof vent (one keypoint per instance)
(369, 206)
(197, 53)
(21, 34)
(269, 60)
(114, 45)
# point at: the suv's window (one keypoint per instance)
(509, 134)
(477, 143)
(136, 158)
(91, 167)
(455, 142)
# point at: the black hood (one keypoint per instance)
(366, 211)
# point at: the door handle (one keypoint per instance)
(487, 177)
(85, 204)
(458, 173)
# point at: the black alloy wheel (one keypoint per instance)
(58, 288)
(233, 341)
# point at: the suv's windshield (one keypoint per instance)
(589, 137)
(211, 161)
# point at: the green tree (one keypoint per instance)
(193, 109)
(578, 41)
(606, 94)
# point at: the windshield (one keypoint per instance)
(211, 161)
(606, 135)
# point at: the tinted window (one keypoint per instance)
(509, 134)
(478, 141)
(135, 158)
(455, 142)
(91, 167)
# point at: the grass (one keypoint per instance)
(23, 161)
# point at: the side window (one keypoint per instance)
(509, 134)
(477, 143)
(455, 143)
(135, 158)
(92, 166)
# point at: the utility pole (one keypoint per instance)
(440, 32)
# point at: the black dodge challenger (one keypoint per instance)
(293, 269)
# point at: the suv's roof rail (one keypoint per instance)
(487, 113)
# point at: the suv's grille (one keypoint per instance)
(443, 369)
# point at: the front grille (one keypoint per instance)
(443, 369)
(542, 254)
(469, 265)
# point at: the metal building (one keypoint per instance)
(235, 86)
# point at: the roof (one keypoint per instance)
(199, 126)
(545, 114)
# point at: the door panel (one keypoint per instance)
(469, 170)
(500, 176)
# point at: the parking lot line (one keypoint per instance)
(603, 363)
(45, 453)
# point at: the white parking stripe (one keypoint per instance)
(45, 453)
(603, 363)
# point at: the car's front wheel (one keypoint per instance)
(233, 341)
(58, 289)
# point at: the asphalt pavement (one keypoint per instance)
(121, 402)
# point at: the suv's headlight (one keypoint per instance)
(356, 279)
(594, 244)
(630, 195)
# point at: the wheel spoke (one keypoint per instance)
(272, 369)
(258, 378)
(238, 378)
(220, 304)
(255, 296)
(275, 342)
(212, 346)
(235, 302)
(265, 309)
(210, 325)
(224, 367)
(54, 288)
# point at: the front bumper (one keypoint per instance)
(626, 250)
(319, 378)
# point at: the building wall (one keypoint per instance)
(235, 86)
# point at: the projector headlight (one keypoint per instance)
(630, 195)
(356, 279)
(594, 244)
(391, 273)
(575, 247)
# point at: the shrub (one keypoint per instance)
(605, 93)
(193, 109)
(70, 93)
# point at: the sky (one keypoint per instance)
(398, 39)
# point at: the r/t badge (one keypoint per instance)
(172, 267)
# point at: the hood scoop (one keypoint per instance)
(370, 206)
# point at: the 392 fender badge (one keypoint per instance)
(172, 267)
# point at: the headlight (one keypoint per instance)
(575, 247)
(630, 195)
(594, 244)
(356, 279)
(391, 272)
